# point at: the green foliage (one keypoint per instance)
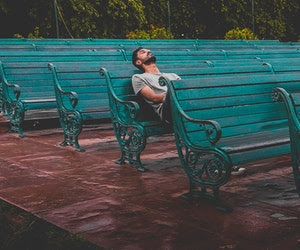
(243, 34)
(205, 19)
(17, 35)
(152, 33)
(118, 17)
(35, 34)
(138, 34)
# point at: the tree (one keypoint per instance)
(274, 19)
(79, 18)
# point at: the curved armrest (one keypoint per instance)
(73, 97)
(281, 95)
(15, 87)
(212, 128)
(132, 107)
(6, 84)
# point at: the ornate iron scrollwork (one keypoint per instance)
(206, 169)
(212, 132)
(72, 125)
(276, 96)
(15, 112)
(132, 141)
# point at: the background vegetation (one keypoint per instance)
(205, 19)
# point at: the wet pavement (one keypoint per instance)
(117, 207)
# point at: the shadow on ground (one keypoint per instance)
(21, 230)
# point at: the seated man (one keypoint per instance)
(147, 85)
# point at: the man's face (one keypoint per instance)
(145, 56)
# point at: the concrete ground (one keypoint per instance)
(117, 207)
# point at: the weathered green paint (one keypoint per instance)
(291, 100)
(81, 97)
(220, 121)
(27, 83)
(133, 121)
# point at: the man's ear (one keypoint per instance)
(138, 62)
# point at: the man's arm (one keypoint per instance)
(149, 94)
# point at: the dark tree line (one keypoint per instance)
(206, 19)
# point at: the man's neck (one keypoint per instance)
(151, 68)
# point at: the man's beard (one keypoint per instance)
(150, 60)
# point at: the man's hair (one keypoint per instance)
(134, 58)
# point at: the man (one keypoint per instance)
(147, 85)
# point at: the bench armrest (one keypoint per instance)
(73, 97)
(16, 89)
(212, 128)
(132, 107)
(6, 85)
(59, 92)
(281, 95)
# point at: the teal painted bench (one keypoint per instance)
(134, 121)
(49, 56)
(219, 122)
(27, 84)
(170, 55)
(93, 46)
(290, 96)
(81, 98)
(12, 61)
(23, 89)
(76, 81)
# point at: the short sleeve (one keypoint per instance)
(137, 83)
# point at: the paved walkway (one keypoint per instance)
(117, 207)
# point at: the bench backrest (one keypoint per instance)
(240, 104)
(48, 56)
(83, 79)
(171, 55)
(33, 79)
(30, 71)
(120, 87)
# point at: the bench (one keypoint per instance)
(290, 96)
(181, 55)
(46, 56)
(134, 121)
(26, 89)
(94, 46)
(81, 98)
(220, 122)
(81, 86)
(27, 84)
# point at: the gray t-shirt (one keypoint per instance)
(139, 81)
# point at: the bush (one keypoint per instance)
(17, 35)
(244, 34)
(35, 34)
(152, 33)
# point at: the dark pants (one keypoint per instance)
(166, 110)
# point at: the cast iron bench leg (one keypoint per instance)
(203, 196)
